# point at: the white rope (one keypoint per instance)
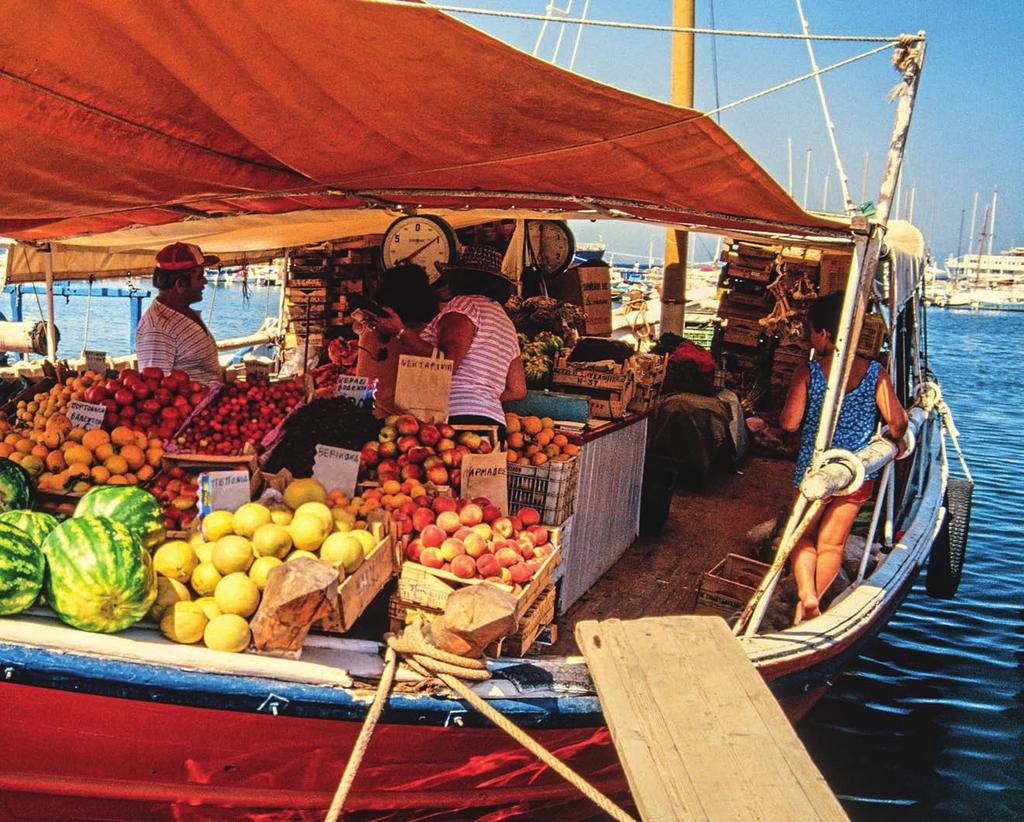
(88, 316)
(615, 24)
(829, 125)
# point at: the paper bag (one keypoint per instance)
(422, 387)
(486, 475)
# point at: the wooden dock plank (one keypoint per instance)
(699, 733)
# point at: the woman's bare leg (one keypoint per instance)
(832, 533)
(804, 560)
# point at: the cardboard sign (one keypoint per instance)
(96, 361)
(335, 467)
(361, 389)
(86, 415)
(257, 368)
(222, 491)
(422, 387)
(486, 475)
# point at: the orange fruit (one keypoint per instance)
(512, 456)
(515, 440)
(513, 425)
(134, 456)
(51, 439)
(547, 422)
(560, 440)
(391, 487)
(153, 456)
(77, 454)
(100, 474)
(59, 422)
(103, 451)
(12, 439)
(141, 440)
(116, 464)
(77, 471)
(122, 435)
(539, 458)
(95, 438)
(76, 434)
(571, 450)
(145, 473)
(117, 479)
(131, 479)
(40, 451)
(544, 437)
(156, 442)
(532, 425)
(55, 461)
(24, 445)
(6, 449)
(524, 461)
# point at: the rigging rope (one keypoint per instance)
(518, 15)
(88, 316)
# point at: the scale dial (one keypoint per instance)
(552, 245)
(421, 239)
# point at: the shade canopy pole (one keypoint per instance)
(51, 327)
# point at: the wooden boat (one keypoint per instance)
(129, 726)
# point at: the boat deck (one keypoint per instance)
(659, 576)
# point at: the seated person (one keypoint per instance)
(406, 290)
(171, 334)
(869, 394)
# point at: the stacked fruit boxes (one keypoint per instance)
(741, 344)
(609, 386)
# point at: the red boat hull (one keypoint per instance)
(81, 756)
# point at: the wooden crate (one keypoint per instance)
(362, 586)
(737, 331)
(729, 585)
(834, 272)
(431, 587)
(608, 386)
(538, 617)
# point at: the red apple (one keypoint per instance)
(96, 394)
(418, 453)
(429, 435)
(150, 372)
(388, 449)
(433, 536)
(122, 396)
(407, 424)
(370, 453)
(387, 433)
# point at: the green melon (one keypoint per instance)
(100, 577)
(21, 570)
(15, 486)
(36, 524)
(135, 508)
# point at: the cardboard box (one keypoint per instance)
(588, 286)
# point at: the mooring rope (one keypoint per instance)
(452, 670)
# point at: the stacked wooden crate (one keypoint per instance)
(749, 269)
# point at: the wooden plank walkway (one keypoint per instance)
(699, 734)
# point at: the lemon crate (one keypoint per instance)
(360, 588)
(534, 621)
(549, 488)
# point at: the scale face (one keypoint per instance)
(421, 239)
(552, 244)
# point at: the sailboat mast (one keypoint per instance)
(673, 283)
(992, 222)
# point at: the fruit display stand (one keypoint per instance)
(550, 488)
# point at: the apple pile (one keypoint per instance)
(243, 413)
(472, 539)
(147, 400)
(178, 494)
(406, 449)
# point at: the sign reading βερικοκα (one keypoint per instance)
(336, 468)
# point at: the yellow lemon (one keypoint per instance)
(175, 559)
(168, 591)
(237, 594)
(318, 510)
(232, 553)
(300, 555)
(260, 568)
(304, 490)
(209, 606)
(227, 632)
(184, 622)
(272, 540)
(307, 532)
(365, 538)
(217, 524)
(344, 550)
(280, 514)
(205, 578)
(249, 517)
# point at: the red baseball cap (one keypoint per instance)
(182, 256)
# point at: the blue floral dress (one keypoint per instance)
(857, 418)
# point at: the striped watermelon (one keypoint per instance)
(101, 578)
(36, 524)
(15, 486)
(21, 570)
(133, 507)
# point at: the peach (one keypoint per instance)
(451, 457)
(534, 564)
(412, 471)
(452, 548)
(484, 530)
(503, 526)
(422, 517)
(470, 439)
(491, 513)
(406, 443)
(507, 557)
(448, 521)
(444, 504)
(419, 453)
(407, 424)
(446, 431)
(431, 557)
(475, 544)
(517, 524)
(487, 565)
(463, 566)
(433, 536)
(414, 549)
(408, 507)
(429, 435)
(431, 461)
(471, 514)
(520, 572)
(526, 550)
(462, 533)
(539, 533)
(421, 499)
(438, 475)
(529, 516)
(444, 444)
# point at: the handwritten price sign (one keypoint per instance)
(222, 491)
(336, 468)
(86, 415)
(360, 389)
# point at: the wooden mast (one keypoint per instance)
(673, 282)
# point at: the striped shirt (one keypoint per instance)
(479, 381)
(168, 339)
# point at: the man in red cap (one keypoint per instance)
(171, 333)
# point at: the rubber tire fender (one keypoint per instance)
(946, 560)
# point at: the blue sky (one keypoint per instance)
(968, 129)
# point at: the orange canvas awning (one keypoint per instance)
(116, 114)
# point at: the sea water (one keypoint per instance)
(929, 722)
(104, 323)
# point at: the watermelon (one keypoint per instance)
(15, 486)
(34, 523)
(21, 570)
(133, 507)
(100, 577)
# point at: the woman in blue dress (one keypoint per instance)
(869, 396)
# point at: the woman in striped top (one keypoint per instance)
(474, 332)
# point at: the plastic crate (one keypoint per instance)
(549, 488)
(701, 335)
